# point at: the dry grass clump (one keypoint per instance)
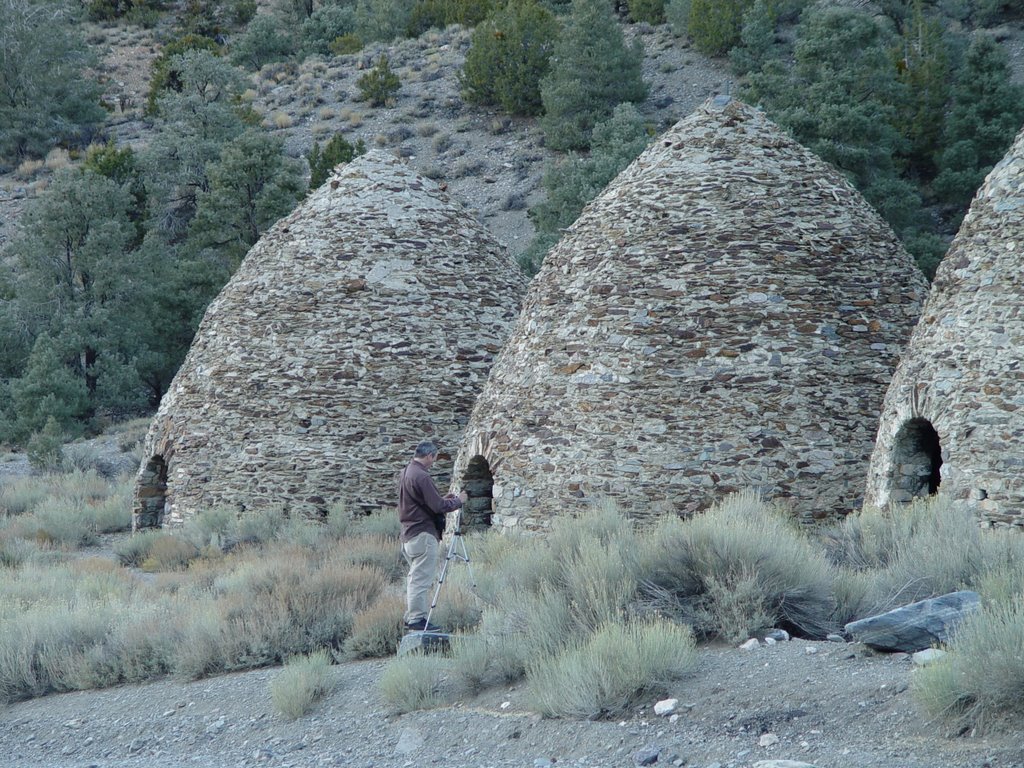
(916, 551)
(133, 551)
(168, 552)
(980, 679)
(303, 682)
(27, 169)
(376, 630)
(612, 669)
(414, 681)
(738, 568)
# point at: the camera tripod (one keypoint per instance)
(456, 551)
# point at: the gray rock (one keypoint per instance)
(916, 626)
(410, 740)
(646, 756)
(424, 642)
(782, 764)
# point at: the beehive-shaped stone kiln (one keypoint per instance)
(363, 322)
(953, 418)
(726, 314)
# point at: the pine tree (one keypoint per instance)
(509, 55)
(592, 71)
(987, 112)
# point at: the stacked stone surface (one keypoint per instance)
(726, 315)
(363, 322)
(962, 378)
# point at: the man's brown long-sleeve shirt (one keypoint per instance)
(421, 507)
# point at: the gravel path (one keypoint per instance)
(823, 704)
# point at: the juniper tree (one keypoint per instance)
(987, 112)
(509, 54)
(46, 97)
(592, 72)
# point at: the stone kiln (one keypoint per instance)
(727, 314)
(953, 417)
(361, 323)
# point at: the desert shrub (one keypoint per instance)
(302, 682)
(326, 24)
(612, 669)
(42, 651)
(380, 552)
(165, 74)
(265, 40)
(376, 630)
(58, 522)
(509, 54)
(346, 44)
(715, 25)
(134, 551)
(593, 71)
(211, 527)
(45, 447)
(336, 152)
(431, 14)
(114, 513)
(706, 569)
(22, 495)
(979, 680)
(168, 552)
(912, 552)
(258, 527)
(379, 84)
(139, 647)
(457, 609)
(651, 11)
(413, 681)
(471, 661)
(383, 523)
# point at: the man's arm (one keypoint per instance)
(432, 498)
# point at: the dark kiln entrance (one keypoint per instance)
(152, 494)
(479, 484)
(917, 457)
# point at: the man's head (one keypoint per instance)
(426, 453)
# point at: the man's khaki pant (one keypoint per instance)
(420, 553)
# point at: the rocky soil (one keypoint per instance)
(820, 704)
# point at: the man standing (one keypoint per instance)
(421, 511)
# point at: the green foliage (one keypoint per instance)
(166, 71)
(757, 43)
(924, 69)
(44, 447)
(46, 97)
(715, 25)
(979, 681)
(48, 389)
(429, 14)
(376, 630)
(931, 547)
(383, 20)
(651, 11)
(677, 13)
(267, 39)
(509, 54)
(122, 167)
(611, 670)
(326, 24)
(346, 44)
(336, 152)
(379, 84)
(249, 187)
(413, 681)
(592, 72)
(736, 569)
(132, 10)
(302, 682)
(572, 183)
(986, 114)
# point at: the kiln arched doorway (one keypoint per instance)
(478, 482)
(917, 461)
(152, 495)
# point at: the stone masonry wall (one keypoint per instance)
(363, 322)
(963, 372)
(727, 314)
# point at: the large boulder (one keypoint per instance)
(916, 626)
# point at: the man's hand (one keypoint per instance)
(463, 497)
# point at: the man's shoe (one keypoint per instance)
(421, 625)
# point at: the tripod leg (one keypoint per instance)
(440, 579)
